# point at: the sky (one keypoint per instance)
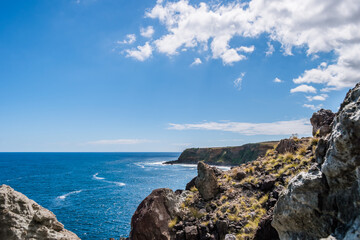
(149, 76)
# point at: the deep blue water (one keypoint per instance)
(92, 194)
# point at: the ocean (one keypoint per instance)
(92, 194)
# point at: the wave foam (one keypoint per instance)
(68, 194)
(97, 178)
(103, 179)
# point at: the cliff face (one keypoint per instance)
(24, 219)
(225, 155)
(326, 200)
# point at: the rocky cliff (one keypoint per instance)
(24, 219)
(231, 156)
(302, 189)
(325, 202)
(234, 204)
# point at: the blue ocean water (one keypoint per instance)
(92, 194)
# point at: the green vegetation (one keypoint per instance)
(243, 200)
(173, 222)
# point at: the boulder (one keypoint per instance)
(321, 122)
(230, 237)
(206, 181)
(22, 219)
(191, 233)
(240, 175)
(222, 228)
(151, 219)
(286, 145)
(296, 214)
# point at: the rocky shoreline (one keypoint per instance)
(306, 188)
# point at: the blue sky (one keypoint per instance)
(118, 75)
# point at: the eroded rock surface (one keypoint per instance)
(206, 181)
(321, 122)
(326, 201)
(151, 219)
(286, 145)
(24, 219)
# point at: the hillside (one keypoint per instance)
(230, 156)
(302, 189)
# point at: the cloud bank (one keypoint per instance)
(301, 126)
(316, 25)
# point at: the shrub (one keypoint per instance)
(173, 222)
(196, 213)
(314, 141)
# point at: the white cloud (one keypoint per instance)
(246, 49)
(147, 32)
(270, 49)
(141, 53)
(238, 81)
(119, 141)
(313, 107)
(321, 97)
(130, 38)
(301, 126)
(277, 80)
(197, 61)
(316, 25)
(303, 88)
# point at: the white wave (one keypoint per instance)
(187, 165)
(140, 165)
(68, 194)
(225, 168)
(119, 184)
(97, 178)
(111, 182)
(222, 167)
(155, 163)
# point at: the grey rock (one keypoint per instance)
(296, 212)
(230, 237)
(286, 145)
(24, 219)
(325, 203)
(206, 181)
(222, 228)
(321, 121)
(191, 233)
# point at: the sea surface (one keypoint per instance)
(92, 194)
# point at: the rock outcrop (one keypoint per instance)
(231, 156)
(287, 145)
(24, 219)
(321, 122)
(206, 181)
(325, 201)
(151, 219)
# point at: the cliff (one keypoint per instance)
(230, 156)
(24, 219)
(301, 189)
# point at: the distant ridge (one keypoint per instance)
(228, 156)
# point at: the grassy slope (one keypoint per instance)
(242, 202)
(225, 155)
